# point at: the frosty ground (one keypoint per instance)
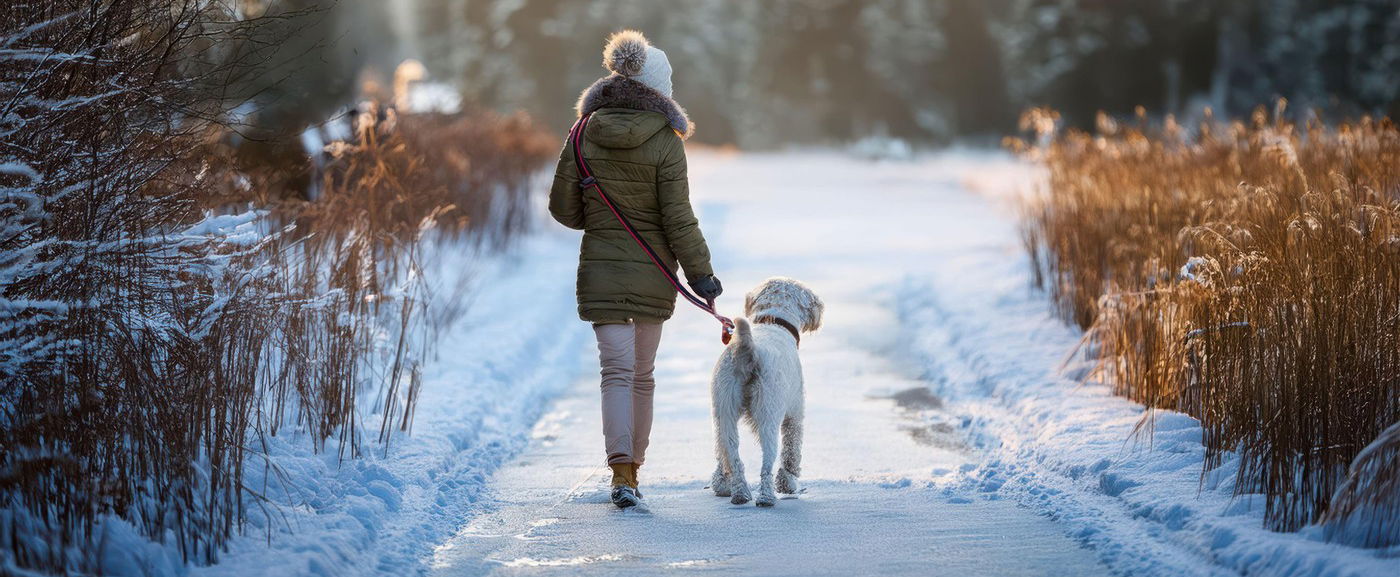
(943, 436)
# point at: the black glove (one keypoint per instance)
(707, 287)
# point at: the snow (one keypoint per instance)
(1070, 450)
(242, 229)
(427, 97)
(867, 505)
(879, 449)
(942, 436)
(19, 169)
(926, 285)
(488, 386)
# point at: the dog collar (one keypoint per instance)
(772, 320)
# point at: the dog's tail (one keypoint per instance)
(745, 358)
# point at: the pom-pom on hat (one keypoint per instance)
(629, 54)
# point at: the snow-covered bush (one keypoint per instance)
(160, 311)
(1248, 275)
(126, 309)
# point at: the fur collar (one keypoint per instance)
(618, 91)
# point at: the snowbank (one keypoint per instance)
(379, 514)
(505, 348)
(987, 342)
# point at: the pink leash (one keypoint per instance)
(587, 181)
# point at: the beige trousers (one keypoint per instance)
(627, 354)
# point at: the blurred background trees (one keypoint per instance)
(759, 74)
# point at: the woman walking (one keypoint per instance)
(634, 146)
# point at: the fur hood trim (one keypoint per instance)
(618, 91)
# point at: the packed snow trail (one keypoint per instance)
(943, 436)
(875, 437)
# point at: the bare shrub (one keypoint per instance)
(157, 309)
(124, 391)
(484, 164)
(1247, 275)
(357, 253)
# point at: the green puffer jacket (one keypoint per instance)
(633, 145)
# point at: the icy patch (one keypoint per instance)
(570, 562)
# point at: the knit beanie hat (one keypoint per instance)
(628, 53)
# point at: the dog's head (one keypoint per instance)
(787, 299)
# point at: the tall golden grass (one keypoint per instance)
(1247, 274)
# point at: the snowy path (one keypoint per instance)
(943, 435)
(877, 439)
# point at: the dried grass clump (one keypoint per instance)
(403, 184)
(483, 164)
(1247, 275)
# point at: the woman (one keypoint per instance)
(634, 146)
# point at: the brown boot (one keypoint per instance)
(637, 478)
(624, 474)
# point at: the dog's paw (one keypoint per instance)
(787, 482)
(739, 494)
(720, 483)
(766, 496)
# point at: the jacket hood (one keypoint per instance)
(622, 128)
(618, 91)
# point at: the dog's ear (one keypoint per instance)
(814, 310)
(749, 299)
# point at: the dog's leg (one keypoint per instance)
(792, 455)
(721, 482)
(738, 485)
(768, 438)
(729, 475)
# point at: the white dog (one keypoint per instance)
(760, 377)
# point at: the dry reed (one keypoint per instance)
(1246, 274)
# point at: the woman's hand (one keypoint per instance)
(707, 287)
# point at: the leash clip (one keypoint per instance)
(726, 326)
(587, 182)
